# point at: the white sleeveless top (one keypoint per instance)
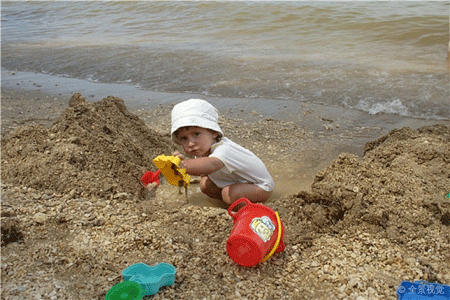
(241, 166)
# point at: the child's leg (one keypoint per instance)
(250, 191)
(210, 188)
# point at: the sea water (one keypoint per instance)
(378, 57)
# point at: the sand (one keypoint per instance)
(358, 215)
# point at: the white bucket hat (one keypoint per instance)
(194, 112)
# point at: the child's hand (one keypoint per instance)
(178, 154)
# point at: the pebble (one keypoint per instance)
(353, 282)
(40, 218)
(410, 261)
(371, 292)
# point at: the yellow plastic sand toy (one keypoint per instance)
(169, 167)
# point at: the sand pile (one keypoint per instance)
(92, 149)
(397, 190)
(399, 185)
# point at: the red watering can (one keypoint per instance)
(257, 233)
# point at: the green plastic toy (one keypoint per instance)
(126, 290)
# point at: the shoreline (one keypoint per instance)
(309, 137)
(136, 98)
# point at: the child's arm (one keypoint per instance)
(202, 166)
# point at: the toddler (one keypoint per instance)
(228, 171)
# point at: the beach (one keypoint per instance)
(346, 103)
(77, 232)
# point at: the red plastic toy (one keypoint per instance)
(150, 177)
(257, 233)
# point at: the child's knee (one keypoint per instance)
(209, 188)
(252, 192)
(203, 184)
(264, 195)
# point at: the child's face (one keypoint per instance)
(196, 141)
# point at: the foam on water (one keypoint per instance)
(393, 107)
